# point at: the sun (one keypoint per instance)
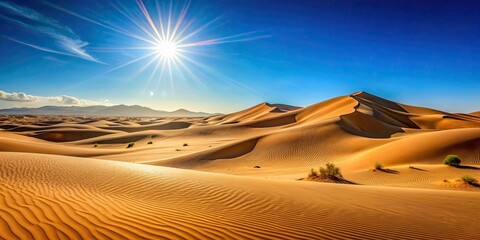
(170, 44)
(166, 49)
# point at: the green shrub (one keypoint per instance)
(330, 171)
(150, 142)
(452, 160)
(378, 166)
(469, 179)
(313, 173)
(130, 145)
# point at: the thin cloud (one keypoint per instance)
(69, 100)
(54, 59)
(67, 42)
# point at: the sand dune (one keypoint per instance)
(354, 131)
(259, 111)
(58, 182)
(81, 198)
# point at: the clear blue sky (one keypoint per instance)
(297, 52)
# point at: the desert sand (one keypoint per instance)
(242, 175)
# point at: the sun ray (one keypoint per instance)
(143, 68)
(179, 71)
(149, 19)
(154, 72)
(100, 23)
(116, 49)
(137, 23)
(169, 21)
(187, 69)
(181, 16)
(162, 72)
(165, 41)
(160, 20)
(200, 29)
(130, 62)
(223, 40)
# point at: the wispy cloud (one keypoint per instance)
(66, 41)
(64, 100)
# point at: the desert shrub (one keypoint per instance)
(96, 145)
(330, 171)
(178, 149)
(452, 160)
(130, 145)
(312, 173)
(469, 179)
(185, 144)
(378, 166)
(150, 142)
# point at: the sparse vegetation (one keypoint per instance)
(150, 142)
(329, 172)
(185, 144)
(452, 160)
(469, 179)
(178, 149)
(131, 144)
(312, 174)
(96, 145)
(378, 166)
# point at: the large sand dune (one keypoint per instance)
(55, 197)
(176, 178)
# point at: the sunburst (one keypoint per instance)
(166, 39)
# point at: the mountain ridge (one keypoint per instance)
(100, 110)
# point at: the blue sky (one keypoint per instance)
(294, 52)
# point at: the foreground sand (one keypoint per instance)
(56, 197)
(237, 175)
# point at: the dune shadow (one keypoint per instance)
(467, 167)
(389, 171)
(386, 118)
(419, 169)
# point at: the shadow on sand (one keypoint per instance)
(330, 180)
(475, 184)
(343, 181)
(467, 167)
(415, 168)
(388, 170)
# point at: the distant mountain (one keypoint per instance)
(117, 110)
